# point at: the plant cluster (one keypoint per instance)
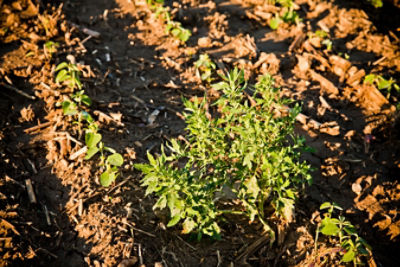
(382, 83)
(352, 246)
(172, 27)
(289, 14)
(69, 73)
(245, 153)
(376, 3)
(205, 66)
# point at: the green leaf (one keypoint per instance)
(252, 187)
(329, 227)
(247, 161)
(370, 78)
(91, 152)
(62, 76)
(109, 149)
(325, 205)
(115, 159)
(92, 139)
(349, 256)
(86, 100)
(107, 178)
(151, 159)
(62, 65)
(161, 203)
(69, 108)
(174, 220)
(188, 225)
(145, 168)
(274, 23)
(384, 84)
(87, 117)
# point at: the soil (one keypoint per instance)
(133, 68)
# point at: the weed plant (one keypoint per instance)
(172, 27)
(382, 83)
(352, 246)
(244, 153)
(205, 66)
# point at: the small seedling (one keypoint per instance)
(68, 73)
(275, 22)
(289, 14)
(245, 148)
(205, 66)
(110, 164)
(50, 48)
(382, 83)
(175, 29)
(172, 27)
(353, 247)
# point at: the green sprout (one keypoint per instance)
(173, 27)
(205, 66)
(353, 247)
(50, 48)
(68, 73)
(382, 83)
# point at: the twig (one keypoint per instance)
(250, 249)
(81, 151)
(139, 230)
(47, 252)
(37, 127)
(120, 184)
(86, 30)
(18, 91)
(32, 165)
(29, 189)
(186, 243)
(46, 213)
(8, 178)
(140, 254)
(219, 258)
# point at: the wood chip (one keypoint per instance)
(326, 85)
(29, 190)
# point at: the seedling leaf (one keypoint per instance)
(107, 178)
(91, 152)
(115, 159)
(92, 139)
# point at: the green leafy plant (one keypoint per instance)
(205, 65)
(353, 247)
(50, 48)
(244, 153)
(110, 164)
(275, 22)
(68, 73)
(289, 14)
(172, 27)
(382, 83)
